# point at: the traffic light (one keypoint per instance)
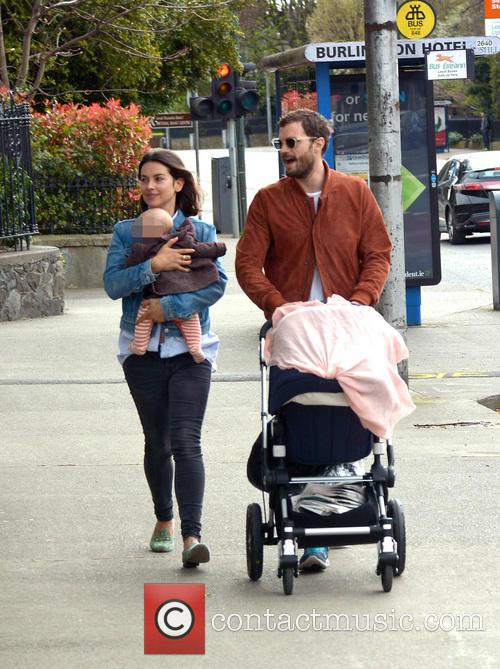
(231, 97)
(202, 109)
(223, 92)
(247, 98)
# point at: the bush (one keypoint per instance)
(454, 137)
(73, 140)
(72, 143)
(476, 141)
(293, 99)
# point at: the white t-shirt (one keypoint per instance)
(317, 292)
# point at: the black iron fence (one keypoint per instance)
(17, 207)
(84, 205)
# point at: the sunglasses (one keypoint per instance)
(291, 142)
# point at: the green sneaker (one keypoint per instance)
(195, 554)
(162, 542)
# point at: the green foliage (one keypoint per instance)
(454, 137)
(342, 21)
(495, 84)
(478, 93)
(476, 141)
(270, 26)
(146, 51)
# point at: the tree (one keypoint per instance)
(270, 26)
(495, 83)
(95, 48)
(342, 21)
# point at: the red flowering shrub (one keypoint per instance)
(85, 161)
(292, 100)
(71, 139)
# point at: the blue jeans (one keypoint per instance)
(171, 395)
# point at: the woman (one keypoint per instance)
(169, 389)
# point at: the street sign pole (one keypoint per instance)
(268, 109)
(196, 137)
(233, 163)
(384, 147)
(242, 185)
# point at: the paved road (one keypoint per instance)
(467, 264)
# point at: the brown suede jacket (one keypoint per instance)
(346, 239)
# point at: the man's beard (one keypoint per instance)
(302, 168)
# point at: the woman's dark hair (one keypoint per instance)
(188, 200)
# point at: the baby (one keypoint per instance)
(154, 228)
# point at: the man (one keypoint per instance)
(486, 129)
(314, 233)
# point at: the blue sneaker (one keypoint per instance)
(314, 559)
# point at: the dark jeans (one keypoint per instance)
(170, 395)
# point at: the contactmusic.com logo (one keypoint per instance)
(174, 619)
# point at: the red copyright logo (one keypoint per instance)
(174, 618)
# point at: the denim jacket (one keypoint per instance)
(128, 282)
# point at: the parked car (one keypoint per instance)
(463, 186)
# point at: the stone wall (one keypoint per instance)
(84, 257)
(31, 283)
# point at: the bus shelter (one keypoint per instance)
(342, 98)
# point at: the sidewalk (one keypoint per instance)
(76, 515)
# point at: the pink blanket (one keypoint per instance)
(352, 344)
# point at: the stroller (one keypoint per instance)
(300, 437)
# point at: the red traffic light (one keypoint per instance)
(224, 70)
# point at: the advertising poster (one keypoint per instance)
(350, 121)
(440, 127)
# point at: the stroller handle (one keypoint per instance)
(265, 329)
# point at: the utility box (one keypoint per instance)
(221, 195)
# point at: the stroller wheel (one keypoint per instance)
(255, 548)
(386, 574)
(396, 512)
(288, 577)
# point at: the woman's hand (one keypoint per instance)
(154, 311)
(168, 259)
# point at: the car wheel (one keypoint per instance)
(455, 236)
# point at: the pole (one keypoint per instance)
(196, 132)
(231, 133)
(196, 135)
(277, 88)
(495, 247)
(268, 109)
(384, 148)
(242, 184)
